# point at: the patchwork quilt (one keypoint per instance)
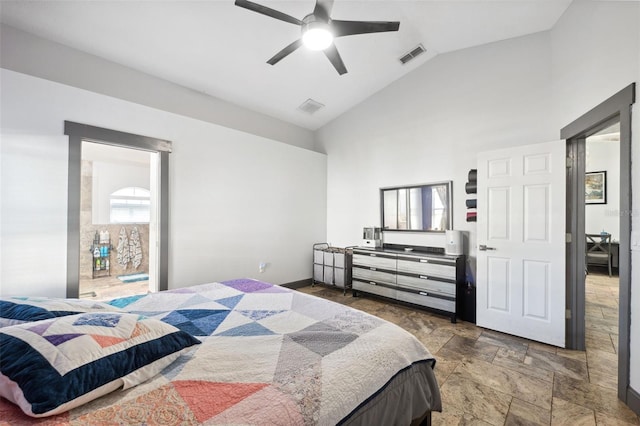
(269, 355)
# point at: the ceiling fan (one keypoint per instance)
(319, 30)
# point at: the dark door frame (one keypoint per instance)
(616, 108)
(77, 133)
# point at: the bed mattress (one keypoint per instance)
(269, 355)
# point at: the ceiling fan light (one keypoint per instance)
(317, 38)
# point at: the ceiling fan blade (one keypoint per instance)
(336, 60)
(267, 11)
(323, 9)
(285, 52)
(346, 28)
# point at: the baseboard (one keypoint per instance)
(633, 400)
(297, 284)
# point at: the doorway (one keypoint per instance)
(602, 225)
(117, 221)
(616, 109)
(159, 245)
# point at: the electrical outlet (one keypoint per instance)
(261, 267)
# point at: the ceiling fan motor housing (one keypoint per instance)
(316, 32)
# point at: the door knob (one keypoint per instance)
(483, 247)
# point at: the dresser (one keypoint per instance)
(421, 277)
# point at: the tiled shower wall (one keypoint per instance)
(88, 231)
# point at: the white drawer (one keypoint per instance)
(375, 260)
(428, 266)
(318, 256)
(370, 287)
(431, 302)
(317, 272)
(338, 277)
(428, 285)
(374, 275)
(328, 275)
(328, 258)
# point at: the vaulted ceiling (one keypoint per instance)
(220, 49)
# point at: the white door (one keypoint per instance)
(521, 241)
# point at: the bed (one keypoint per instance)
(264, 354)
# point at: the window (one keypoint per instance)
(130, 205)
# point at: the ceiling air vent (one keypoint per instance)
(415, 52)
(310, 106)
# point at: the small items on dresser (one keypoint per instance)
(371, 237)
(454, 242)
(471, 188)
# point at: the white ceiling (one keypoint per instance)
(220, 49)
(609, 134)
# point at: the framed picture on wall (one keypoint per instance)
(595, 188)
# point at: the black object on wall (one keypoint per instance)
(471, 187)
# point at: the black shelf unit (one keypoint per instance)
(101, 258)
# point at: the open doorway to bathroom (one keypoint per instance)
(159, 194)
(118, 205)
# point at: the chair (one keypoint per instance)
(598, 250)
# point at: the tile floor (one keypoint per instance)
(490, 378)
(107, 288)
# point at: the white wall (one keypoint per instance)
(109, 177)
(33, 228)
(596, 53)
(604, 156)
(29, 54)
(430, 125)
(235, 199)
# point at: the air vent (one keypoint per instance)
(411, 55)
(310, 106)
